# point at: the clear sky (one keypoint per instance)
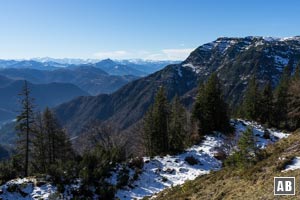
(149, 29)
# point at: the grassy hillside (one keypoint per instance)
(253, 183)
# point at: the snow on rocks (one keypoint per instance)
(159, 173)
(294, 165)
(263, 136)
(24, 188)
(162, 172)
(195, 69)
(32, 188)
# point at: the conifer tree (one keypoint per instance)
(24, 126)
(59, 146)
(148, 132)
(281, 98)
(293, 106)
(210, 108)
(247, 148)
(250, 105)
(39, 144)
(51, 129)
(177, 126)
(156, 124)
(51, 144)
(246, 153)
(266, 104)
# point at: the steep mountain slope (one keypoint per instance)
(44, 94)
(128, 104)
(255, 182)
(88, 78)
(237, 59)
(234, 59)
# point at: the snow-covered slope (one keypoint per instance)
(157, 173)
(162, 172)
(25, 189)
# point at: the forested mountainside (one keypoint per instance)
(50, 94)
(235, 60)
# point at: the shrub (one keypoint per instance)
(282, 165)
(97, 164)
(7, 171)
(12, 188)
(60, 188)
(191, 160)
(54, 196)
(136, 174)
(123, 178)
(137, 162)
(164, 179)
(106, 191)
(56, 173)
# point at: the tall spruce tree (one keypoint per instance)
(210, 109)
(51, 129)
(148, 132)
(156, 124)
(281, 98)
(177, 126)
(250, 106)
(266, 104)
(293, 106)
(25, 121)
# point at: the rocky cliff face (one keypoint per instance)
(237, 59)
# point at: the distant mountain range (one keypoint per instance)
(90, 79)
(30, 64)
(113, 67)
(235, 60)
(55, 82)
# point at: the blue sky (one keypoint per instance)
(149, 29)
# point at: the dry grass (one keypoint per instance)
(253, 183)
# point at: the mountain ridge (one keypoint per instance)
(234, 59)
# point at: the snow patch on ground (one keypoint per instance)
(28, 188)
(159, 173)
(162, 172)
(295, 165)
(263, 136)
